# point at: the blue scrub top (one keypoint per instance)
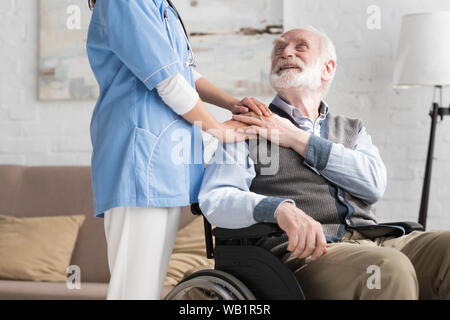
(144, 154)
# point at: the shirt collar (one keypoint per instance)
(295, 113)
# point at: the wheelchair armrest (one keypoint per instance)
(255, 231)
(409, 226)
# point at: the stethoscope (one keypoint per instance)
(191, 61)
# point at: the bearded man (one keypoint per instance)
(329, 175)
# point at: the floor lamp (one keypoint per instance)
(423, 60)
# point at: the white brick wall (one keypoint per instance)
(33, 132)
(57, 133)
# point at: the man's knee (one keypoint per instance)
(443, 276)
(441, 241)
(433, 263)
(351, 271)
(395, 274)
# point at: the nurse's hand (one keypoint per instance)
(250, 104)
(228, 133)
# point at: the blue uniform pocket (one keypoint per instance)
(162, 165)
(169, 162)
(144, 145)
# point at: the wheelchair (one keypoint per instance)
(248, 265)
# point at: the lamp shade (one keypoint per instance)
(423, 54)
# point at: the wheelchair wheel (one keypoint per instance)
(210, 285)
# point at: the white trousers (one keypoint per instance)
(139, 241)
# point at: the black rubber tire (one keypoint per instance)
(224, 276)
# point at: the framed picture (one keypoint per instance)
(64, 71)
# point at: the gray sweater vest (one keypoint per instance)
(325, 202)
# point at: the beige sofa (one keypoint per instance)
(27, 191)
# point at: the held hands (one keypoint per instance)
(250, 104)
(275, 128)
(261, 121)
(228, 132)
(306, 237)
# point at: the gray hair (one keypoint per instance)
(327, 46)
(328, 51)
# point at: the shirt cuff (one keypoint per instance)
(162, 73)
(265, 209)
(196, 75)
(177, 93)
(317, 152)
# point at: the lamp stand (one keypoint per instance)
(434, 112)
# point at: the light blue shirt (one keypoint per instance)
(302, 121)
(143, 152)
(226, 200)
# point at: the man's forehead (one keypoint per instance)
(296, 35)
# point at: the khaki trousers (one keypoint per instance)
(413, 266)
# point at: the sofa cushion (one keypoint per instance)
(34, 191)
(28, 290)
(37, 248)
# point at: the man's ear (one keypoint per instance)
(328, 70)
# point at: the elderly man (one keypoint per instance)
(328, 175)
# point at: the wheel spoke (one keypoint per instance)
(210, 285)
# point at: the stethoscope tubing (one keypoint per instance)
(191, 61)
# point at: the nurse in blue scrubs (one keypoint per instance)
(147, 159)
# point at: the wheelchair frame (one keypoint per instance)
(236, 256)
(244, 270)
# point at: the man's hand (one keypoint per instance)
(228, 133)
(234, 124)
(275, 128)
(250, 104)
(306, 237)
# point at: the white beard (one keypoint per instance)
(308, 77)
